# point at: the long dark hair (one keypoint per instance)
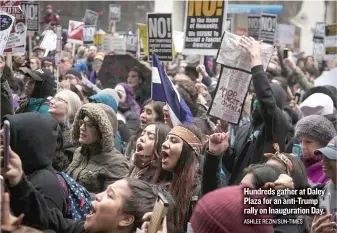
(184, 178)
(157, 107)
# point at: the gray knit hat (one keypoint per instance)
(316, 127)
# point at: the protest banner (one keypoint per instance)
(230, 95)
(131, 43)
(9, 3)
(159, 28)
(7, 22)
(229, 25)
(205, 23)
(115, 12)
(113, 43)
(90, 17)
(285, 33)
(75, 32)
(115, 69)
(58, 45)
(49, 40)
(330, 42)
(229, 55)
(268, 28)
(89, 34)
(142, 38)
(16, 43)
(254, 26)
(31, 9)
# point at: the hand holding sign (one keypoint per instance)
(253, 47)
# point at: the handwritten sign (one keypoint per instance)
(7, 22)
(230, 95)
(231, 56)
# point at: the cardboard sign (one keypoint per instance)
(205, 23)
(115, 69)
(7, 22)
(114, 44)
(75, 32)
(330, 42)
(90, 17)
(319, 32)
(131, 43)
(49, 40)
(58, 45)
(16, 43)
(254, 26)
(160, 36)
(115, 12)
(268, 28)
(32, 14)
(285, 33)
(89, 34)
(229, 55)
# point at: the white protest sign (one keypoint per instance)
(160, 36)
(115, 12)
(75, 32)
(268, 28)
(90, 17)
(229, 25)
(131, 43)
(285, 34)
(330, 42)
(32, 13)
(319, 32)
(230, 95)
(327, 78)
(7, 22)
(58, 45)
(254, 26)
(114, 44)
(231, 56)
(89, 34)
(178, 41)
(49, 40)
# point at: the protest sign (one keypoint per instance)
(205, 23)
(330, 42)
(58, 45)
(32, 13)
(9, 3)
(116, 44)
(229, 25)
(89, 34)
(49, 40)
(178, 41)
(319, 32)
(115, 69)
(229, 55)
(75, 32)
(16, 43)
(131, 43)
(254, 26)
(268, 28)
(230, 95)
(327, 78)
(142, 38)
(285, 33)
(115, 12)
(90, 17)
(159, 28)
(7, 22)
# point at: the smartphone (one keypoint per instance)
(297, 98)
(285, 53)
(6, 137)
(159, 213)
(297, 150)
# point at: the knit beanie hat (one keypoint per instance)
(316, 127)
(222, 211)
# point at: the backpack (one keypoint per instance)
(77, 197)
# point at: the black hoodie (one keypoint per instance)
(33, 137)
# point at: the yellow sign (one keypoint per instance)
(205, 8)
(143, 38)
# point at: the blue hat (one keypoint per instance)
(330, 151)
(105, 99)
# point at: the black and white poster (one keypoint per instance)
(205, 23)
(159, 31)
(115, 12)
(131, 43)
(88, 34)
(90, 17)
(254, 26)
(319, 32)
(268, 28)
(31, 9)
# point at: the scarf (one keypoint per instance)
(315, 173)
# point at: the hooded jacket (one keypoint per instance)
(34, 138)
(257, 137)
(97, 165)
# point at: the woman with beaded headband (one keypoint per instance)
(180, 155)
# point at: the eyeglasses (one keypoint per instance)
(86, 123)
(54, 99)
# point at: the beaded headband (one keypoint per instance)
(281, 158)
(187, 136)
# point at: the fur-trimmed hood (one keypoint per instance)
(97, 114)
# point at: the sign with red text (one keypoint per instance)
(75, 32)
(16, 43)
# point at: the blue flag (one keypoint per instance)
(163, 90)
